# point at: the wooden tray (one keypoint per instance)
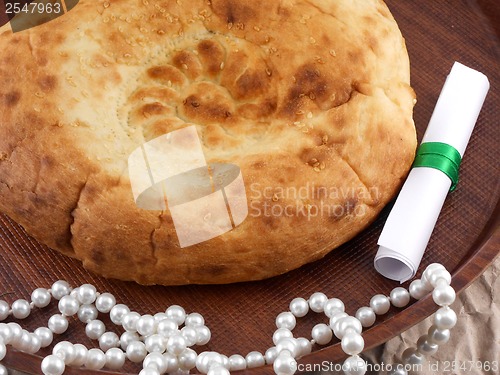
(241, 317)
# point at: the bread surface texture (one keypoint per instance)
(311, 99)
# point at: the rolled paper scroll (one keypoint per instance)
(435, 172)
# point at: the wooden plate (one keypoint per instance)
(241, 317)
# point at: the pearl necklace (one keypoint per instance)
(163, 342)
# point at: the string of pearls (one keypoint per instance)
(163, 342)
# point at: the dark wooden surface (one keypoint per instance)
(241, 316)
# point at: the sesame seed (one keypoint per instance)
(268, 72)
(184, 66)
(221, 66)
(312, 40)
(275, 198)
(229, 25)
(309, 115)
(325, 139)
(106, 4)
(333, 53)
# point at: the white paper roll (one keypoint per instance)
(411, 221)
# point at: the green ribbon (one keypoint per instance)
(440, 156)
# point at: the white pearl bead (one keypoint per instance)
(117, 312)
(136, 351)
(68, 305)
(105, 302)
(335, 318)
(218, 370)
(286, 320)
(155, 343)
(299, 307)
(354, 365)
(146, 325)
(115, 358)
(424, 346)
(304, 347)
(16, 332)
(24, 342)
(60, 289)
(187, 359)
(126, 338)
(194, 319)
(289, 344)
(156, 361)
(3, 370)
(36, 344)
(108, 340)
(321, 334)
(333, 306)
(5, 333)
(237, 362)
(190, 334)
(4, 310)
(87, 294)
(96, 359)
(205, 360)
(129, 321)
(160, 316)
(53, 365)
(399, 370)
(80, 355)
(431, 268)
(438, 336)
(167, 327)
(366, 316)
(74, 293)
(21, 309)
(443, 295)
(352, 343)
(440, 274)
(255, 359)
(3, 351)
(342, 325)
(285, 365)
(40, 297)
(149, 371)
(58, 324)
(204, 335)
(270, 355)
(280, 334)
(95, 329)
(176, 344)
(87, 313)
(412, 357)
(172, 362)
(380, 304)
(400, 297)
(417, 289)
(317, 302)
(176, 313)
(445, 318)
(65, 350)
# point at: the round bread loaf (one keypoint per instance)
(309, 98)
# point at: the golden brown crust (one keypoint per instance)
(303, 93)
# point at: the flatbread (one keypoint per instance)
(311, 100)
